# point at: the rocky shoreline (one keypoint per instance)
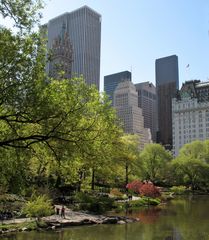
(72, 218)
(86, 219)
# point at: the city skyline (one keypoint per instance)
(81, 29)
(135, 34)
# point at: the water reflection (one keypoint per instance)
(180, 219)
(148, 215)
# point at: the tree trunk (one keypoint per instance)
(80, 181)
(126, 177)
(92, 179)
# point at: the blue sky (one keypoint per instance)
(136, 32)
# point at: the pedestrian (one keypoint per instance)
(63, 212)
(57, 211)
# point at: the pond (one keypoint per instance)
(184, 218)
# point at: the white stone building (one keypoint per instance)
(130, 115)
(190, 121)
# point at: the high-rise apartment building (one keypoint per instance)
(167, 83)
(81, 30)
(190, 114)
(147, 101)
(112, 81)
(128, 112)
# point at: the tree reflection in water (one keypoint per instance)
(148, 215)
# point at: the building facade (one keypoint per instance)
(61, 56)
(82, 27)
(111, 82)
(190, 114)
(128, 112)
(147, 101)
(167, 83)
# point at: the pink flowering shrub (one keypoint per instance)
(147, 189)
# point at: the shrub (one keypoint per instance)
(93, 202)
(149, 190)
(39, 206)
(134, 186)
(134, 204)
(178, 190)
(144, 201)
(116, 193)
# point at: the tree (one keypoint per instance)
(23, 13)
(191, 165)
(153, 160)
(126, 152)
(53, 125)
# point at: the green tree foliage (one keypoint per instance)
(191, 165)
(49, 129)
(126, 155)
(153, 162)
(24, 13)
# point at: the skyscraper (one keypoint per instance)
(112, 81)
(82, 29)
(128, 112)
(147, 101)
(167, 82)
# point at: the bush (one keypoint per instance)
(39, 206)
(93, 202)
(134, 186)
(134, 204)
(10, 198)
(146, 188)
(178, 190)
(144, 201)
(149, 190)
(116, 194)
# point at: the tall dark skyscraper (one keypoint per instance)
(112, 81)
(77, 33)
(167, 82)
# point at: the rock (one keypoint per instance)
(88, 221)
(24, 229)
(129, 220)
(110, 220)
(121, 222)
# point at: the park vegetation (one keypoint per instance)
(62, 135)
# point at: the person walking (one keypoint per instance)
(57, 210)
(63, 211)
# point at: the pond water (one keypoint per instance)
(180, 219)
